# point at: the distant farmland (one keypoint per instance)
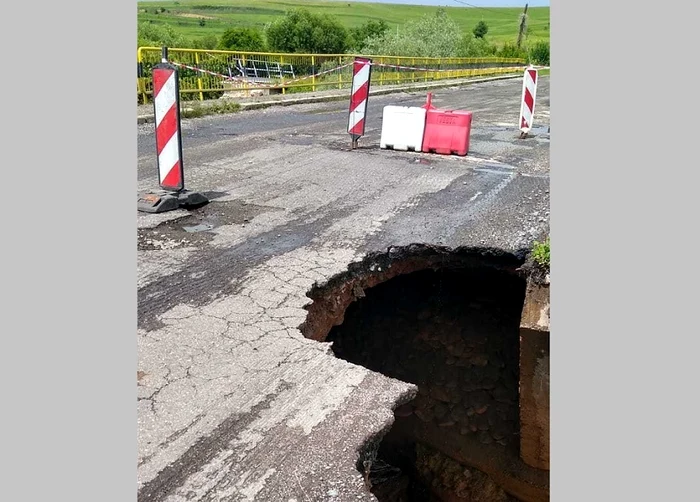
(186, 16)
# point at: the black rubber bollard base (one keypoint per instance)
(161, 201)
(191, 200)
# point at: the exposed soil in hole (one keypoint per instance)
(454, 333)
(195, 228)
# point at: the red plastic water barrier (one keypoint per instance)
(447, 131)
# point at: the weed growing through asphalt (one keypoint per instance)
(540, 253)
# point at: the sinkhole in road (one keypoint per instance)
(448, 323)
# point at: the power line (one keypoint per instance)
(487, 9)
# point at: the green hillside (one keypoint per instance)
(199, 18)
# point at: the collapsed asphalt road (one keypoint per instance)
(233, 402)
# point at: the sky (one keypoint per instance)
(476, 3)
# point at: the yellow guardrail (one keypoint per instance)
(206, 74)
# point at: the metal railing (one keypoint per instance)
(208, 74)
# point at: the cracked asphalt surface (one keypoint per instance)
(233, 402)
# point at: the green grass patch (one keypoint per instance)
(199, 18)
(194, 109)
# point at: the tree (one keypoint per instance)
(157, 35)
(301, 31)
(433, 35)
(481, 29)
(242, 39)
(371, 29)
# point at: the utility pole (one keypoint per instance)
(523, 24)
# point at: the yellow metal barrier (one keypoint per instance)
(207, 74)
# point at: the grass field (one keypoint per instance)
(218, 15)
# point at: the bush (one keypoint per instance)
(539, 54)
(301, 31)
(481, 29)
(433, 35)
(206, 42)
(157, 35)
(509, 50)
(242, 39)
(473, 47)
(369, 30)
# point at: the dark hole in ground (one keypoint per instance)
(455, 334)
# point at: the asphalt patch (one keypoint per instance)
(298, 139)
(421, 160)
(198, 227)
(216, 270)
(164, 485)
(538, 131)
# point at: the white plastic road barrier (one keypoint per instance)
(402, 128)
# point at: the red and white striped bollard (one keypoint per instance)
(527, 105)
(361, 74)
(166, 104)
(171, 177)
